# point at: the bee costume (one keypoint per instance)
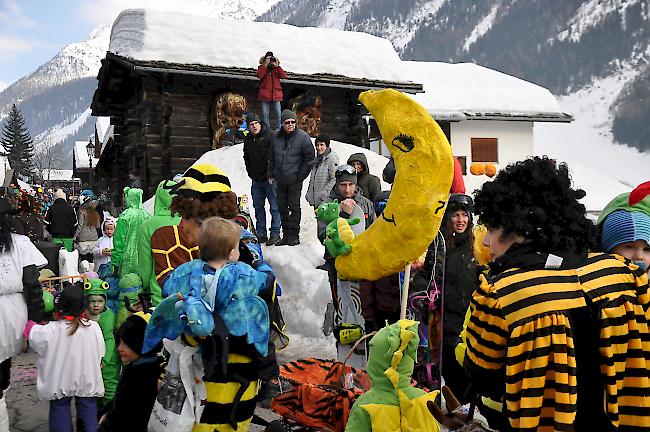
(233, 362)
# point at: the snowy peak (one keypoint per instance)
(399, 28)
(75, 60)
(593, 12)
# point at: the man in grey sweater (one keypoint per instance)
(323, 172)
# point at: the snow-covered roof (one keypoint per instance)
(466, 90)
(26, 187)
(104, 129)
(57, 174)
(178, 38)
(80, 155)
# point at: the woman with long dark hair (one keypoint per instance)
(20, 294)
(461, 280)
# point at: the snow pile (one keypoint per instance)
(305, 289)
(231, 161)
(146, 34)
(457, 90)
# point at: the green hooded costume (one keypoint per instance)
(161, 217)
(391, 404)
(125, 240)
(129, 288)
(111, 364)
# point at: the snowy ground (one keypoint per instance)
(305, 290)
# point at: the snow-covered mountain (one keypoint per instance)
(571, 47)
(55, 97)
(565, 46)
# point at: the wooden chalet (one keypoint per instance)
(166, 114)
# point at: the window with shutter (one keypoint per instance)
(463, 163)
(485, 150)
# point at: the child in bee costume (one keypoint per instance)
(214, 304)
(391, 404)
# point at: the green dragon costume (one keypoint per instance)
(161, 217)
(111, 364)
(125, 240)
(391, 404)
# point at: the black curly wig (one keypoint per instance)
(533, 198)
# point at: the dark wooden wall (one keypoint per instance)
(165, 125)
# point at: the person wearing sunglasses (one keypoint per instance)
(290, 160)
(349, 196)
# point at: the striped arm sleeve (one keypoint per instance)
(487, 330)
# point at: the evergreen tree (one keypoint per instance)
(18, 144)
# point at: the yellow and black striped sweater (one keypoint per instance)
(571, 346)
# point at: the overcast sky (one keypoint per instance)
(33, 31)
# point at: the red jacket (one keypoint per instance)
(270, 87)
(457, 184)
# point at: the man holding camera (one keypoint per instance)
(270, 73)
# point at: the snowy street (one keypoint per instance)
(29, 414)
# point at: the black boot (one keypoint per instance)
(284, 241)
(273, 240)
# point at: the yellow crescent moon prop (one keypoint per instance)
(417, 201)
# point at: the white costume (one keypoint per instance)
(68, 365)
(13, 310)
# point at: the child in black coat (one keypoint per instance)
(138, 387)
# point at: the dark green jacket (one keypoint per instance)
(369, 184)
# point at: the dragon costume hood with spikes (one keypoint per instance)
(391, 404)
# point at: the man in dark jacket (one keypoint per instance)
(368, 183)
(257, 142)
(290, 159)
(61, 221)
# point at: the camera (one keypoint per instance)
(273, 60)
